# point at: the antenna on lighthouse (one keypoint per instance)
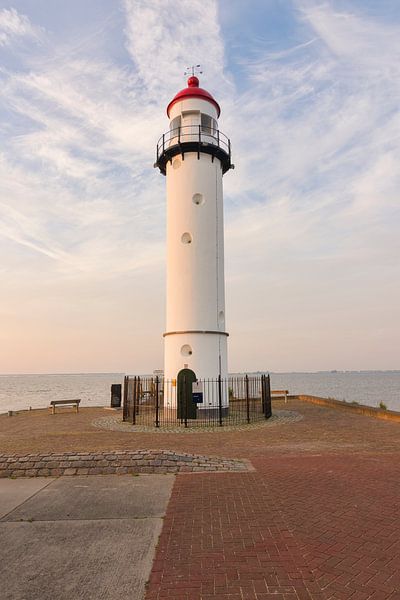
(193, 70)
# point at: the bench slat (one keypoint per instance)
(280, 393)
(75, 402)
(54, 402)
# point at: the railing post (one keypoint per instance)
(218, 138)
(125, 404)
(268, 408)
(263, 393)
(134, 401)
(246, 379)
(220, 399)
(138, 394)
(198, 148)
(157, 406)
(163, 142)
(179, 134)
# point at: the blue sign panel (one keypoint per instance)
(197, 397)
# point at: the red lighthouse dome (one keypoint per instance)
(193, 91)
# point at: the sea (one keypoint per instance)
(20, 392)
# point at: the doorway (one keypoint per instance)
(187, 409)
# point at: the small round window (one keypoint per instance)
(186, 238)
(221, 316)
(198, 199)
(186, 350)
(176, 163)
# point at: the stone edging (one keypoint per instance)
(362, 409)
(114, 423)
(105, 463)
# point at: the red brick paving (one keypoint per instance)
(300, 527)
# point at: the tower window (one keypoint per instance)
(208, 124)
(174, 126)
(186, 238)
(198, 199)
(186, 350)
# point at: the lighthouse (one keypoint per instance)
(194, 155)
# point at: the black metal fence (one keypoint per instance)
(159, 402)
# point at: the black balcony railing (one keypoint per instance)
(193, 138)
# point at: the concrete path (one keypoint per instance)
(80, 537)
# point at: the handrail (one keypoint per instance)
(193, 133)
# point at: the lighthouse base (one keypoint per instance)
(204, 352)
(212, 413)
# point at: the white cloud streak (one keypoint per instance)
(14, 26)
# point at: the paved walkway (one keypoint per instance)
(300, 527)
(318, 518)
(79, 538)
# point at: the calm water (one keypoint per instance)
(367, 387)
(22, 391)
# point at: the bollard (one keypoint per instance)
(116, 393)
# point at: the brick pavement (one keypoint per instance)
(300, 527)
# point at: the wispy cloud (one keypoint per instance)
(14, 26)
(164, 36)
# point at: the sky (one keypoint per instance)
(310, 95)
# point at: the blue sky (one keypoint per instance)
(309, 92)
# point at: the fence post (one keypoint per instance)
(134, 401)
(220, 399)
(138, 394)
(157, 407)
(125, 404)
(268, 408)
(263, 393)
(246, 379)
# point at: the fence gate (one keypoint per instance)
(187, 409)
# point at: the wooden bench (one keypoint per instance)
(280, 393)
(55, 403)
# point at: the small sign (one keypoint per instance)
(173, 382)
(197, 392)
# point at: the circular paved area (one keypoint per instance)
(115, 423)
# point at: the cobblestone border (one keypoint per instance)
(105, 463)
(115, 423)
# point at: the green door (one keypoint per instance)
(187, 409)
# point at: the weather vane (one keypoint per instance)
(193, 70)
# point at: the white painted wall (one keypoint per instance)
(195, 270)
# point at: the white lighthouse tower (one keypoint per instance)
(194, 155)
